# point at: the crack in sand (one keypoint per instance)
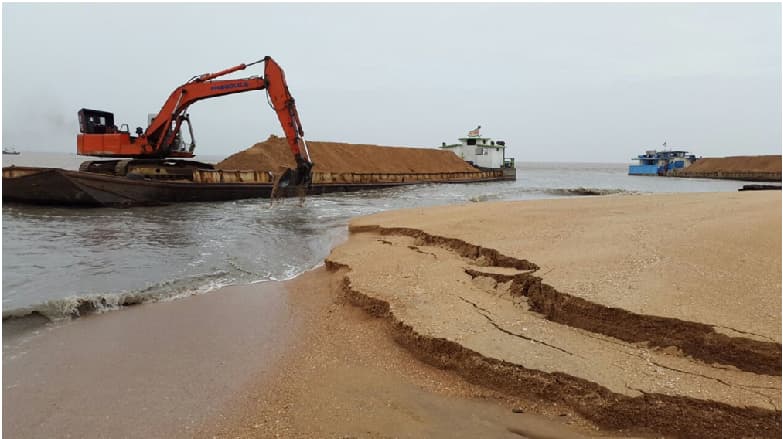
(700, 341)
(418, 250)
(745, 332)
(677, 416)
(501, 329)
(746, 387)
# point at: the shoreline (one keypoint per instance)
(371, 345)
(153, 370)
(350, 377)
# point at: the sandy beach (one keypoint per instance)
(631, 316)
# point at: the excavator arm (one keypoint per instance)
(99, 138)
(283, 104)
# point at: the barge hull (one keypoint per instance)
(53, 186)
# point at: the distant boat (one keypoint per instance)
(661, 162)
(10, 151)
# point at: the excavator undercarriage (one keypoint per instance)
(150, 169)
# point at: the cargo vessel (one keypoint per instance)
(123, 183)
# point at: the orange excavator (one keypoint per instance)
(161, 144)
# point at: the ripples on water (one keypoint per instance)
(62, 261)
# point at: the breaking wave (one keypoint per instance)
(76, 306)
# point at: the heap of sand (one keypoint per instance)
(274, 153)
(755, 168)
(638, 321)
(759, 163)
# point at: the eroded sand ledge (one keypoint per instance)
(556, 299)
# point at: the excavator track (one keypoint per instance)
(148, 169)
(121, 168)
(99, 166)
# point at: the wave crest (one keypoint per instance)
(76, 306)
(583, 191)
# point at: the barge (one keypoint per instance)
(655, 162)
(123, 183)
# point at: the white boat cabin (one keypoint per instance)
(481, 151)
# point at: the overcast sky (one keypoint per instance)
(558, 82)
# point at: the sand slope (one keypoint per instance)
(639, 321)
(274, 153)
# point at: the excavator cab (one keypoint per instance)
(99, 136)
(96, 122)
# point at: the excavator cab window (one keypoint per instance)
(96, 122)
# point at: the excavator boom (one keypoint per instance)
(100, 137)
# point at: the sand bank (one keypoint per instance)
(652, 313)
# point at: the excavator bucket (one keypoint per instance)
(301, 176)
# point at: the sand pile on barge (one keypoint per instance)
(274, 153)
(761, 168)
(761, 163)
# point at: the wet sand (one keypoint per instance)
(276, 359)
(153, 370)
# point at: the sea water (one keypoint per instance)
(62, 262)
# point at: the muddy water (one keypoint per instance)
(63, 262)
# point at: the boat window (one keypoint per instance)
(471, 141)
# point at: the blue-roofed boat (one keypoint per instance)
(655, 162)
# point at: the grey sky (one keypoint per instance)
(558, 82)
